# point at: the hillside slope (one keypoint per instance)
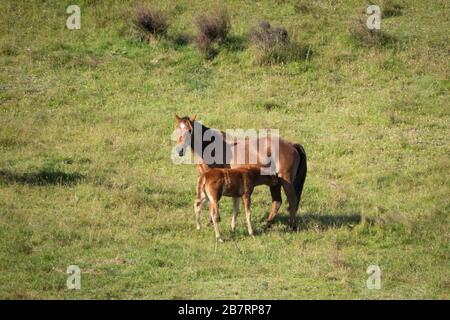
(86, 176)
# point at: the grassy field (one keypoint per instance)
(86, 176)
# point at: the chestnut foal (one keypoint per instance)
(236, 183)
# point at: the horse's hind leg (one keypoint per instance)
(275, 192)
(235, 212)
(292, 199)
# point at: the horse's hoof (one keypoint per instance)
(219, 240)
(198, 227)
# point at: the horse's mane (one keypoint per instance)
(204, 128)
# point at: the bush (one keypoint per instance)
(272, 45)
(266, 36)
(212, 27)
(151, 23)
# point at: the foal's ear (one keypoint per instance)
(193, 118)
(177, 118)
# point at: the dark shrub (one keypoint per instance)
(212, 27)
(272, 45)
(151, 23)
(267, 36)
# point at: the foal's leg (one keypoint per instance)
(235, 212)
(210, 217)
(214, 212)
(198, 208)
(200, 199)
(246, 199)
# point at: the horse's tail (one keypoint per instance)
(300, 177)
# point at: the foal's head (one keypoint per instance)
(183, 129)
(270, 180)
(260, 178)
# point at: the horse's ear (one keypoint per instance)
(177, 118)
(193, 118)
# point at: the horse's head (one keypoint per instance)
(183, 129)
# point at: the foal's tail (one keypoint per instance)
(300, 177)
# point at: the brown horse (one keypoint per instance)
(290, 163)
(236, 183)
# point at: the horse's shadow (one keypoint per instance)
(321, 221)
(317, 222)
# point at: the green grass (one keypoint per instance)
(86, 176)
